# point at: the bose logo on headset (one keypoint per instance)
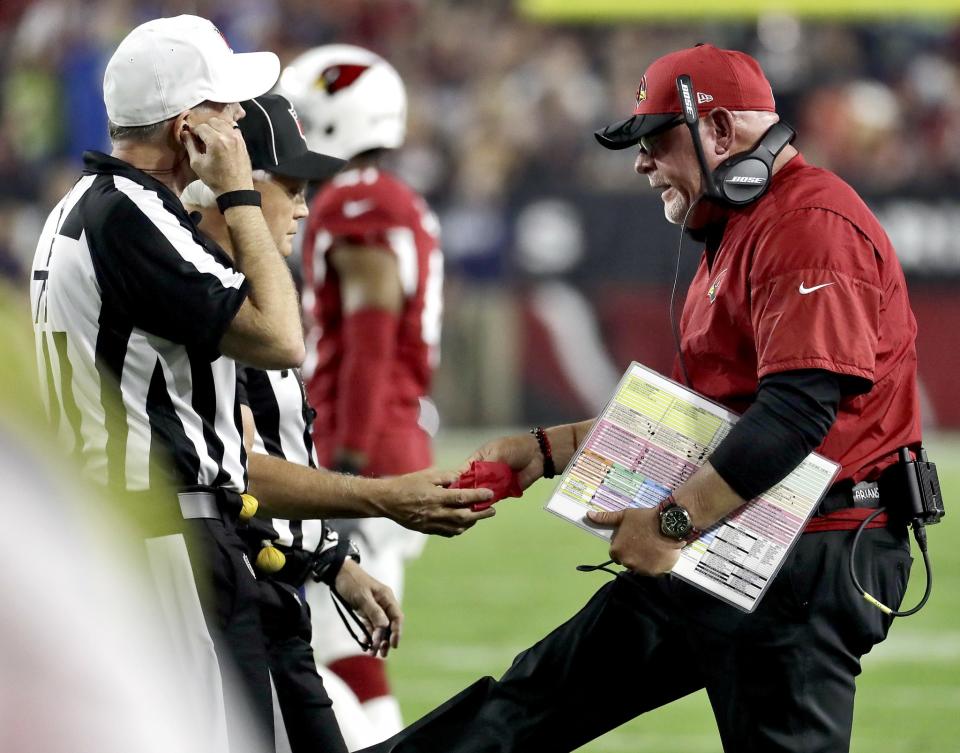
(743, 178)
(685, 93)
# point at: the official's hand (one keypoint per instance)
(376, 604)
(637, 542)
(222, 162)
(520, 451)
(420, 502)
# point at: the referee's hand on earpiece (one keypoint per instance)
(421, 502)
(218, 155)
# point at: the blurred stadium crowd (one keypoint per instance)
(501, 110)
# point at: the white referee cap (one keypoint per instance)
(169, 65)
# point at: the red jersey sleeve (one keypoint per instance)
(816, 296)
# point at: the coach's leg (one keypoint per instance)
(618, 657)
(787, 682)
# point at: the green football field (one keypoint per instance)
(474, 602)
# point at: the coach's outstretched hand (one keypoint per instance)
(520, 451)
(376, 603)
(419, 501)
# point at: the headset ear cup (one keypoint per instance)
(744, 178)
(720, 174)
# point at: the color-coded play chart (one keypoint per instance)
(651, 437)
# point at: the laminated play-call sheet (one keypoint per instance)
(651, 437)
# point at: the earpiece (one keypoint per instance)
(743, 178)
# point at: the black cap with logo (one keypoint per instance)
(275, 141)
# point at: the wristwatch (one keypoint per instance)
(326, 563)
(675, 520)
(353, 551)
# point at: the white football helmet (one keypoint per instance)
(350, 100)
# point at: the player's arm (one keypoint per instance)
(417, 501)
(371, 300)
(266, 330)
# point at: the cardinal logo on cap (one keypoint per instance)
(293, 114)
(642, 90)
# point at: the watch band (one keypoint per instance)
(244, 198)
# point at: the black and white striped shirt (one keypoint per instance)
(282, 418)
(129, 304)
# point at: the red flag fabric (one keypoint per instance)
(484, 474)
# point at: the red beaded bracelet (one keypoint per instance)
(549, 469)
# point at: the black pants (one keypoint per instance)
(230, 595)
(306, 708)
(780, 679)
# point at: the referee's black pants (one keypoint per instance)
(306, 708)
(230, 595)
(780, 679)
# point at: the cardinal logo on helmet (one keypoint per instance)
(338, 77)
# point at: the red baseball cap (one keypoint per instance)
(721, 78)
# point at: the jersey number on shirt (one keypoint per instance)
(52, 342)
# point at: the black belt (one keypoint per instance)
(883, 492)
(844, 495)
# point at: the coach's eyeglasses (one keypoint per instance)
(648, 143)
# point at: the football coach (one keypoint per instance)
(798, 318)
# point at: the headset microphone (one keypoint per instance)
(692, 118)
(743, 178)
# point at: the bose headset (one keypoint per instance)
(745, 177)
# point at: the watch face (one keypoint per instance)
(675, 523)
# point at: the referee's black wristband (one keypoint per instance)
(238, 199)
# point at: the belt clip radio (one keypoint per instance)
(920, 489)
(915, 487)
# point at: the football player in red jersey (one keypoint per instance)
(372, 278)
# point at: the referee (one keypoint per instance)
(277, 423)
(137, 318)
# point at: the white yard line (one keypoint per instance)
(906, 646)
